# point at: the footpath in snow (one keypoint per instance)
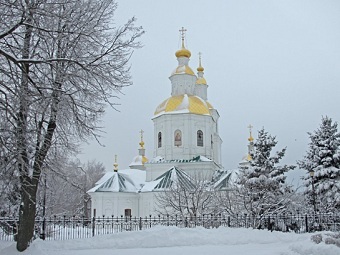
(172, 240)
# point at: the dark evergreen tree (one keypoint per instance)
(263, 181)
(323, 158)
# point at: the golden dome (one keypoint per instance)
(250, 139)
(200, 69)
(183, 53)
(184, 104)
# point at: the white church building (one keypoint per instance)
(186, 144)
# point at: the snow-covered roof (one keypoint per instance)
(199, 158)
(137, 161)
(128, 180)
(165, 181)
(223, 181)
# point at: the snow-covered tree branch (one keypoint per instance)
(61, 63)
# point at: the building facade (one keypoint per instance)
(186, 145)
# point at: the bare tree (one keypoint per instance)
(61, 62)
(66, 188)
(187, 200)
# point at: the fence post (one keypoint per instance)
(43, 235)
(306, 221)
(93, 225)
(140, 223)
(268, 223)
(229, 221)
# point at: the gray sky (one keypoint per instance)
(272, 64)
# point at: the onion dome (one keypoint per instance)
(200, 69)
(183, 56)
(184, 104)
(183, 52)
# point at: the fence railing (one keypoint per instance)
(60, 228)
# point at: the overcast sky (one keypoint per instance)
(272, 64)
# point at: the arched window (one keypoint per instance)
(200, 138)
(159, 139)
(178, 138)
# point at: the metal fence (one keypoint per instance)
(61, 228)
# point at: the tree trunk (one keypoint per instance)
(28, 191)
(27, 214)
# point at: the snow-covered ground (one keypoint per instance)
(172, 240)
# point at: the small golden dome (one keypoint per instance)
(200, 69)
(183, 53)
(184, 104)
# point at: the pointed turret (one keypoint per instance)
(201, 84)
(248, 158)
(140, 159)
(200, 72)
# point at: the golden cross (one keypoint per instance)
(182, 31)
(115, 164)
(141, 134)
(250, 127)
(200, 55)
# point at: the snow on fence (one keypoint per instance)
(61, 228)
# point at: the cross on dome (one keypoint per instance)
(200, 67)
(115, 164)
(250, 139)
(183, 52)
(182, 31)
(141, 138)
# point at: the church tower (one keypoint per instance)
(186, 124)
(249, 157)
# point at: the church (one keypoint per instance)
(187, 144)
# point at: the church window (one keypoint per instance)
(178, 138)
(159, 139)
(200, 138)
